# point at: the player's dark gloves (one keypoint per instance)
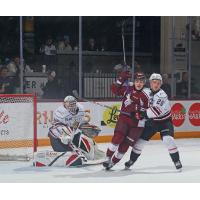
(143, 114)
(123, 76)
(135, 116)
(139, 115)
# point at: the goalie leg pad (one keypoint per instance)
(57, 159)
(88, 147)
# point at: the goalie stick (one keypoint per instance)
(75, 93)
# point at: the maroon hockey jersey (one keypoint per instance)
(132, 101)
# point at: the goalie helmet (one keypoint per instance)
(155, 76)
(70, 104)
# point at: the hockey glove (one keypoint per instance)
(143, 114)
(65, 139)
(139, 115)
(66, 135)
(135, 116)
(123, 76)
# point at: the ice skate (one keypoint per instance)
(178, 165)
(108, 164)
(128, 164)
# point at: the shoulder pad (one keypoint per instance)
(61, 111)
(161, 94)
(146, 90)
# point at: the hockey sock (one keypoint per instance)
(170, 144)
(117, 157)
(111, 150)
(134, 156)
(175, 157)
(137, 149)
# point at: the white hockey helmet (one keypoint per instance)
(155, 76)
(70, 104)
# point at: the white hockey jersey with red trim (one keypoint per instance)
(159, 106)
(62, 115)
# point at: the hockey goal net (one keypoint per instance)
(18, 126)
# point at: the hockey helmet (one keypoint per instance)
(156, 76)
(140, 76)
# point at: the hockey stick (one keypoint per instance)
(75, 93)
(123, 43)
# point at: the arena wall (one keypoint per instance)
(185, 115)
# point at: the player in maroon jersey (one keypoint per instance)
(128, 128)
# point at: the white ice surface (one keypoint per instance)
(154, 165)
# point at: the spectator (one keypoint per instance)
(182, 87)
(61, 45)
(49, 51)
(49, 48)
(6, 83)
(92, 45)
(51, 89)
(166, 86)
(14, 65)
(67, 44)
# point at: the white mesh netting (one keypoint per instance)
(16, 127)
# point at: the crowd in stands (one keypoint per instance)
(50, 46)
(10, 70)
(9, 79)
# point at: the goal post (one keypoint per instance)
(18, 126)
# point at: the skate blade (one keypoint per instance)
(108, 170)
(179, 170)
(127, 168)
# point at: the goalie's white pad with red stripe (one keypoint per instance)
(57, 159)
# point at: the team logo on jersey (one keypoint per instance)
(110, 117)
(194, 114)
(178, 114)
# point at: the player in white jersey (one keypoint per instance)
(159, 119)
(71, 138)
(66, 119)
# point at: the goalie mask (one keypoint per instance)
(70, 104)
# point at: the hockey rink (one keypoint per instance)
(153, 166)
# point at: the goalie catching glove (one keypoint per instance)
(66, 135)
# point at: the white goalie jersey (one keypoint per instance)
(62, 116)
(159, 106)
